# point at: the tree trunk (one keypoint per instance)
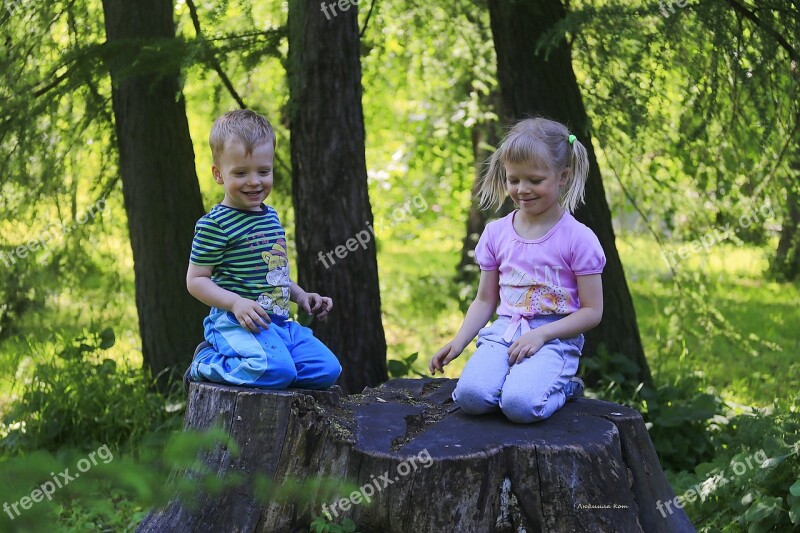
(333, 217)
(425, 466)
(484, 134)
(786, 263)
(159, 187)
(544, 84)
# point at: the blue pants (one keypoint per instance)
(282, 356)
(525, 392)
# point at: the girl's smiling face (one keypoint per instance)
(535, 190)
(247, 178)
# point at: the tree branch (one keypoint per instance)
(366, 21)
(739, 8)
(213, 59)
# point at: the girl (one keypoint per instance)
(543, 267)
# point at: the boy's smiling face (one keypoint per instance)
(247, 178)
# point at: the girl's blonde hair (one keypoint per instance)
(538, 142)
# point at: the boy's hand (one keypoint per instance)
(526, 346)
(314, 304)
(446, 354)
(250, 314)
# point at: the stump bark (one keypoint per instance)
(431, 468)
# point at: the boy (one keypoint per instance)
(238, 266)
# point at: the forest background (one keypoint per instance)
(385, 113)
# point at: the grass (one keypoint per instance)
(753, 370)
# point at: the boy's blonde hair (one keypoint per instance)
(541, 143)
(243, 125)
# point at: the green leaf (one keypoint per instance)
(794, 514)
(704, 470)
(107, 339)
(396, 368)
(318, 525)
(795, 488)
(305, 319)
(763, 509)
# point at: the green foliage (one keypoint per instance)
(116, 489)
(679, 415)
(321, 524)
(115, 493)
(681, 338)
(399, 368)
(753, 482)
(702, 101)
(680, 418)
(694, 314)
(20, 291)
(73, 396)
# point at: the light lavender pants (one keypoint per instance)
(525, 392)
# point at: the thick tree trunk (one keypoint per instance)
(424, 466)
(544, 84)
(335, 237)
(159, 186)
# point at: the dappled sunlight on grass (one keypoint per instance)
(419, 312)
(763, 312)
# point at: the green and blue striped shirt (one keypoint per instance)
(247, 253)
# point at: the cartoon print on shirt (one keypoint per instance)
(536, 295)
(276, 299)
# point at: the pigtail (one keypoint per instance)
(492, 185)
(576, 179)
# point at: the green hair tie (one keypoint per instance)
(571, 139)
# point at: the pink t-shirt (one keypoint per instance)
(539, 277)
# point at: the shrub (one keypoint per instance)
(73, 396)
(680, 416)
(738, 497)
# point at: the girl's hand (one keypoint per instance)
(314, 304)
(526, 346)
(446, 354)
(250, 314)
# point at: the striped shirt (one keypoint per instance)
(247, 253)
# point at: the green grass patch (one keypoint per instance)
(760, 366)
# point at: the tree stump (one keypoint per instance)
(430, 467)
